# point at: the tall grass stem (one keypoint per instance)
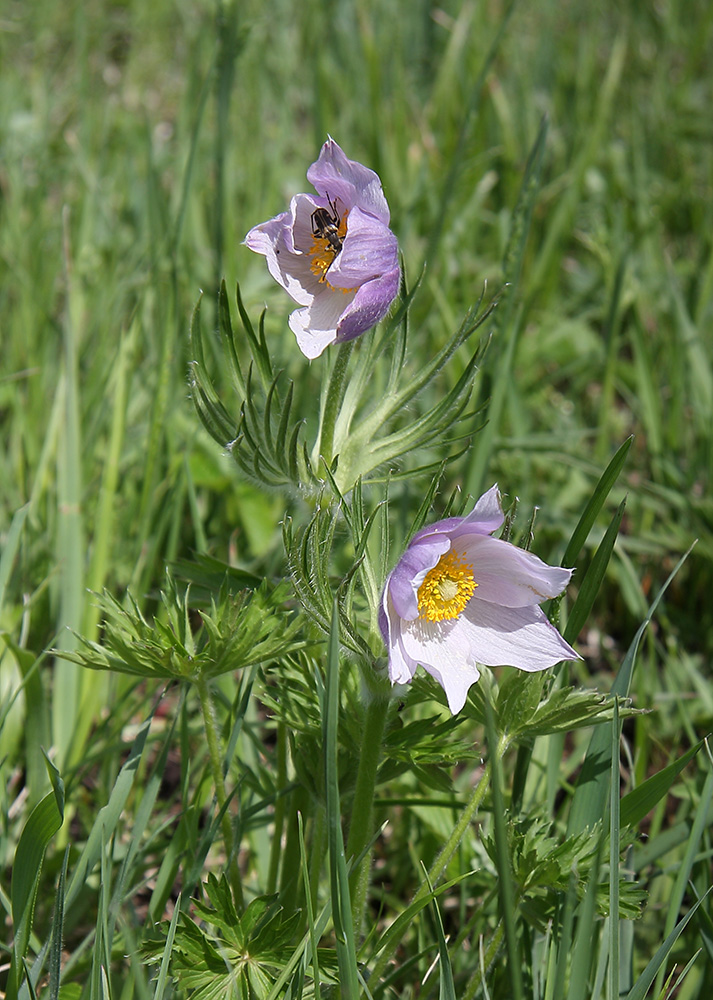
(216, 765)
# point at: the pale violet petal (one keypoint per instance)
(485, 518)
(315, 326)
(443, 649)
(290, 270)
(371, 303)
(300, 237)
(401, 668)
(334, 176)
(456, 682)
(515, 637)
(507, 575)
(369, 250)
(487, 515)
(410, 573)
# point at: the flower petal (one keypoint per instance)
(300, 237)
(371, 303)
(515, 637)
(401, 668)
(290, 270)
(444, 650)
(487, 515)
(370, 249)
(508, 575)
(485, 518)
(410, 573)
(316, 325)
(334, 176)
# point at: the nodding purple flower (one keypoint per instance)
(458, 597)
(333, 252)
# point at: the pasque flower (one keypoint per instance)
(459, 597)
(333, 253)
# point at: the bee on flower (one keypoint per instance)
(333, 252)
(459, 597)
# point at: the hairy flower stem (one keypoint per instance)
(216, 765)
(451, 845)
(333, 401)
(449, 848)
(361, 824)
(474, 983)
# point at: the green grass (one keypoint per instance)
(561, 153)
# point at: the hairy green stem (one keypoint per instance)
(361, 824)
(449, 848)
(215, 757)
(333, 401)
(475, 981)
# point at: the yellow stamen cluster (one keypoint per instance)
(323, 253)
(447, 588)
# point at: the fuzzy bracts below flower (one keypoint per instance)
(334, 253)
(458, 598)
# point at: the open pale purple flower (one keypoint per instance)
(333, 253)
(458, 598)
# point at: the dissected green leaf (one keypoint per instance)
(239, 631)
(518, 697)
(226, 955)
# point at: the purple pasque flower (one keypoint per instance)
(458, 598)
(333, 253)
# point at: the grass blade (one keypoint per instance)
(446, 985)
(583, 952)
(642, 984)
(43, 823)
(595, 504)
(109, 816)
(503, 858)
(166, 957)
(592, 581)
(70, 534)
(642, 800)
(12, 542)
(614, 806)
(338, 877)
(55, 963)
(312, 930)
(699, 828)
(590, 793)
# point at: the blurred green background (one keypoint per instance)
(138, 143)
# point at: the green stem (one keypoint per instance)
(215, 757)
(276, 845)
(491, 952)
(450, 847)
(361, 824)
(332, 404)
(319, 850)
(290, 887)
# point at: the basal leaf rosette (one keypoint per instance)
(458, 598)
(333, 252)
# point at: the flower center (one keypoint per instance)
(326, 248)
(446, 589)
